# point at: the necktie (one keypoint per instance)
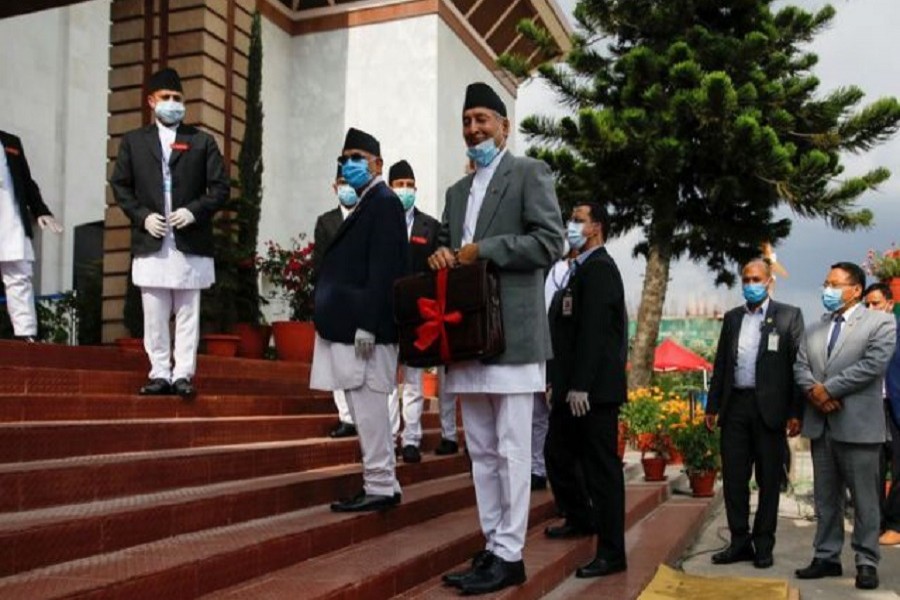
(835, 332)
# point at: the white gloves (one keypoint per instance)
(578, 403)
(155, 224)
(364, 343)
(181, 218)
(48, 222)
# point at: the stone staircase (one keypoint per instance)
(106, 494)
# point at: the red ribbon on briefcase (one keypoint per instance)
(436, 318)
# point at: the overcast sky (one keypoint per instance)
(858, 49)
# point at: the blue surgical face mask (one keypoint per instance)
(754, 293)
(407, 197)
(484, 153)
(347, 196)
(356, 173)
(170, 112)
(832, 298)
(575, 235)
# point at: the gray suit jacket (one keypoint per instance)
(854, 374)
(520, 230)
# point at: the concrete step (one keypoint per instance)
(37, 538)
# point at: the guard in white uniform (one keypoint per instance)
(505, 212)
(170, 180)
(20, 203)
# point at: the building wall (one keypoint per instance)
(54, 94)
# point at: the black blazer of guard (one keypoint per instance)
(590, 345)
(327, 226)
(356, 280)
(25, 190)
(198, 184)
(422, 240)
(778, 396)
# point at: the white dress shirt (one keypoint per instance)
(748, 345)
(14, 244)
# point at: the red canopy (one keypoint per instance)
(672, 356)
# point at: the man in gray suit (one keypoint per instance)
(505, 212)
(841, 367)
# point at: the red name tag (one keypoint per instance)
(180, 146)
(418, 240)
(11, 150)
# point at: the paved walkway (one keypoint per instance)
(793, 549)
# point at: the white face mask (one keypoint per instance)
(169, 112)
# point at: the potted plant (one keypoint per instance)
(644, 418)
(886, 267)
(289, 270)
(700, 449)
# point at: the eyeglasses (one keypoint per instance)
(837, 285)
(355, 156)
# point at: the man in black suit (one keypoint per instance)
(755, 400)
(589, 330)
(20, 203)
(356, 337)
(327, 226)
(422, 231)
(170, 180)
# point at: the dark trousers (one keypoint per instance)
(748, 445)
(585, 473)
(891, 506)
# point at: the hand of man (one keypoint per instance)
(468, 254)
(793, 427)
(549, 395)
(443, 258)
(182, 218)
(155, 224)
(831, 405)
(710, 422)
(578, 403)
(364, 344)
(48, 222)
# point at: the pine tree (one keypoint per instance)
(694, 121)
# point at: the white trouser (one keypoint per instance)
(370, 413)
(159, 305)
(498, 436)
(447, 403)
(394, 411)
(20, 296)
(413, 405)
(340, 400)
(540, 423)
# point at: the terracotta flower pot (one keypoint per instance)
(130, 344)
(221, 344)
(894, 283)
(703, 483)
(294, 340)
(622, 439)
(675, 457)
(254, 339)
(429, 385)
(654, 468)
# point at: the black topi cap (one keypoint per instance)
(360, 140)
(481, 95)
(166, 79)
(400, 170)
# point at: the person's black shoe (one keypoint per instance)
(763, 561)
(156, 387)
(600, 567)
(866, 577)
(819, 568)
(481, 560)
(343, 430)
(184, 388)
(364, 502)
(538, 482)
(733, 554)
(566, 531)
(411, 454)
(498, 575)
(446, 447)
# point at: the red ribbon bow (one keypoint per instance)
(436, 318)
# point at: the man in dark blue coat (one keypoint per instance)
(356, 338)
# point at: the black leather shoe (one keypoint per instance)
(566, 531)
(481, 560)
(184, 388)
(600, 567)
(866, 577)
(343, 430)
(366, 502)
(156, 387)
(819, 568)
(763, 561)
(498, 575)
(733, 554)
(538, 482)
(446, 447)
(411, 454)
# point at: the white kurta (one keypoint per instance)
(169, 267)
(14, 244)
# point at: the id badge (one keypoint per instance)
(567, 305)
(773, 342)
